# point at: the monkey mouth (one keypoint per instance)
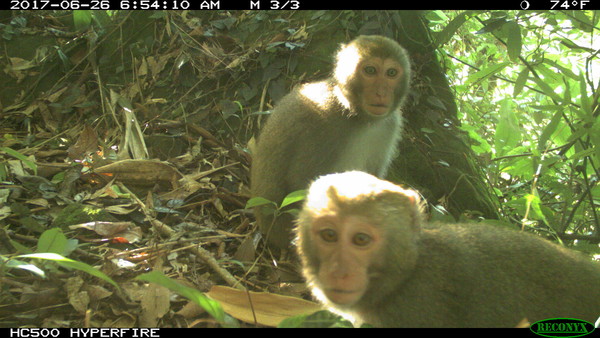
(342, 291)
(378, 108)
(342, 297)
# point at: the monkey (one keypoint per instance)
(368, 254)
(350, 121)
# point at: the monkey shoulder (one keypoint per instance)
(297, 117)
(482, 243)
(313, 100)
(485, 237)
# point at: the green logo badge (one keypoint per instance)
(562, 327)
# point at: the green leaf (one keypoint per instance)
(18, 264)
(319, 319)
(82, 19)
(72, 264)
(535, 203)
(484, 73)
(575, 47)
(514, 43)
(566, 91)
(547, 89)
(479, 144)
(52, 240)
(21, 157)
(577, 133)
(436, 17)
(580, 154)
(212, 307)
(293, 322)
(491, 25)
(521, 81)
(258, 201)
(20, 247)
(549, 130)
(446, 34)
(508, 133)
(563, 70)
(585, 104)
(293, 197)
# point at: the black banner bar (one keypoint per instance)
(173, 333)
(82, 333)
(299, 5)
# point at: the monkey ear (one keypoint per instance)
(413, 196)
(413, 205)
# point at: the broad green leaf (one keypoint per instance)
(563, 70)
(514, 43)
(581, 20)
(484, 73)
(521, 81)
(52, 240)
(82, 19)
(319, 319)
(508, 132)
(535, 203)
(72, 264)
(572, 45)
(582, 153)
(258, 201)
(549, 130)
(446, 34)
(491, 25)
(293, 197)
(549, 75)
(293, 322)
(436, 16)
(547, 89)
(577, 133)
(20, 247)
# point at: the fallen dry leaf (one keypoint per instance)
(270, 309)
(155, 304)
(142, 172)
(86, 143)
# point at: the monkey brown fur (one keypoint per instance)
(366, 253)
(351, 121)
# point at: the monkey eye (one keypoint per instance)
(361, 239)
(328, 235)
(392, 72)
(370, 70)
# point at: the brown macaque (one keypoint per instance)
(351, 121)
(368, 254)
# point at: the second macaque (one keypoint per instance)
(367, 253)
(351, 121)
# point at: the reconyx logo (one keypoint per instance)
(562, 327)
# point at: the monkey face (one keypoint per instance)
(346, 246)
(379, 81)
